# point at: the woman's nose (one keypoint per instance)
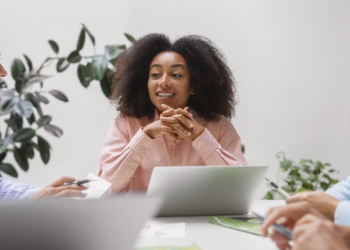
(3, 72)
(164, 81)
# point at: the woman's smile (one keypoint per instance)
(164, 95)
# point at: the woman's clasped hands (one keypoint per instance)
(177, 123)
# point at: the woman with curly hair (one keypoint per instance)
(175, 100)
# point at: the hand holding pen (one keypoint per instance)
(78, 183)
(57, 189)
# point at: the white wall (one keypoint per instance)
(291, 60)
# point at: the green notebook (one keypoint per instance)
(247, 224)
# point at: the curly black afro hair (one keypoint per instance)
(212, 80)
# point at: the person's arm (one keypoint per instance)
(122, 155)
(15, 191)
(341, 190)
(226, 151)
(342, 213)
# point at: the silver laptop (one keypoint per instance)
(112, 223)
(207, 190)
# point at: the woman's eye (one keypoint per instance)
(155, 75)
(177, 75)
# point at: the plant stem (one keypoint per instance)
(43, 64)
(7, 131)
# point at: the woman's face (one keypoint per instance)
(169, 81)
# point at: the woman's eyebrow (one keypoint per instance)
(156, 66)
(177, 65)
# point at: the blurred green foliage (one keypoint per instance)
(305, 175)
(22, 104)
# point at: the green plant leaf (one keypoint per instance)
(113, 51)
(31, 119)
(59, 95)
(24, 108)
(324, 185)
(30, 97)
(8, 140)
(99, 67)
(286, 165)
(7, 104)
(24, 134)
(17, 119)
(44, 149)
(242, 148)
(17, 68)
(62, 64)
(74, 57)
(54, 46)
(21, 159)
(3, 155)
(41, 98)
(29, 62)
(268, 196)
(300, 190)
(12, 124)
(333, 181)
(37, 78)
(106, 84)
(46, 119)
(27, 149)
(20, 83)
(130, 37)
(81, 39)
(84, 75)
(7, 168)
(92, 38)
(54, 130)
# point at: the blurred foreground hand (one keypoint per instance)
(312, 232)
(318, 200)
(56, 190)
(288, 217)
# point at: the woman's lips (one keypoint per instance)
(164, 96)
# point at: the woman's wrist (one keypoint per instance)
(198, 132)
(148, 132)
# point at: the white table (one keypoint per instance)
(209, 236)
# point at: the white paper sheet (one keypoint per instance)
(96, 188)
(173, 230)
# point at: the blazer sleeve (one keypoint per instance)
(224, 151)
(121, 156)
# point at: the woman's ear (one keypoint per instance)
(192, 91)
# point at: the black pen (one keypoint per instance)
(284, 193)
(78, 183)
